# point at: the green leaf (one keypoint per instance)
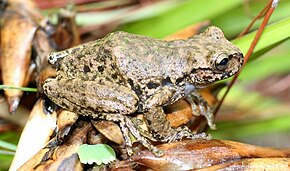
(185, 14)
(99, 153)
(244, 14)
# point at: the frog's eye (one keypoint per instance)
(221, 62)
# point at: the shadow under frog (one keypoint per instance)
(125, 73)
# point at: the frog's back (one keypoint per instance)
(140, 57)
(90, 62)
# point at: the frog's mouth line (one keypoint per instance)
(204, 76)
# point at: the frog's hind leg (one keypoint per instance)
(127, 127)
(163, 131)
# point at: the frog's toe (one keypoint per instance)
(201, 136)
(208, 114)
(157, 152)
(181, 133)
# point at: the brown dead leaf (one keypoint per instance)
(41, 44)
(65, 120)
(16, 41)
(110, 130)
(64, 157)
(201, 153)
(67, 34)
(28, 9)
(180, 113)
(254, 164)
(19, 26)
(35, 134)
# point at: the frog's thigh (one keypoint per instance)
(106, 97)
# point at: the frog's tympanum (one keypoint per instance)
(124, 73)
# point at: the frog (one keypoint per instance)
(123, 73)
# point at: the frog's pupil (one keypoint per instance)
(224, 61)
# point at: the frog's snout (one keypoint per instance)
(47, 88)
(240, 58)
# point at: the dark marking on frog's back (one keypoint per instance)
(114, 76)
(152, 85)
(86, 69)
(100, 68)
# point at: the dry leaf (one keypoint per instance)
(61, 157)
(35, 135)
(65, 120)
(19, 26)
(67, 34)
(254, 164)
(201, 153)
(110, 130)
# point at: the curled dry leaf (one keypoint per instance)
(200, 153)
(16, 41)
(64, 157)
(35, 135)
(124, 165)
(254, 164)
(65, 120)
(17, 32)
(110, 130)
(67, 34)
(42, 47)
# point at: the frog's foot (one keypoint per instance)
(144, 133)
(127, 127)
(163, 131)
(200, 106)
(180, 133)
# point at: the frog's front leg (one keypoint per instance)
(196, 100)
(157, 121)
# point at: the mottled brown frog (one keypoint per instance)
(124, 73)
